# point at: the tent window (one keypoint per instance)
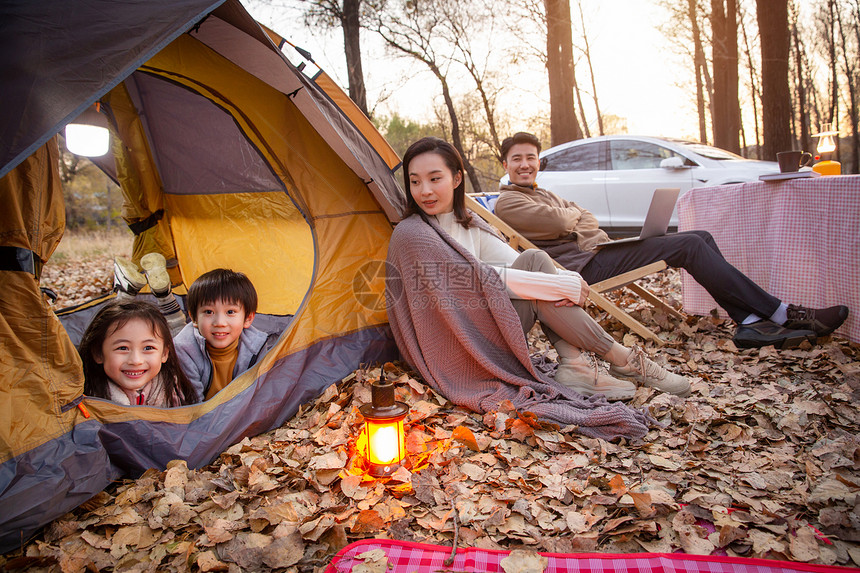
(200, 148)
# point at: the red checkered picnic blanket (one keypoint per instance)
(406, 557)
(797, 239)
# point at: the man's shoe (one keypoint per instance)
(821, 320)
(127, 277)
(586, 377)
(646, 372)
(767, 333)
(155, 268)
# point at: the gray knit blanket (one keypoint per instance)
(454, 323)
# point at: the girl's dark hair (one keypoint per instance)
(109, 318)
(453, 161)
(221, 285)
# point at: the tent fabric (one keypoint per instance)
(49, 50)
(281, 276)
(277, 184)
(47, 463)
(40, 376)
(133, 170)
(409, 557)
(357, 117)
(231, 164)
(331, 122)
(349, 108)
(32, 192)
(52, 479)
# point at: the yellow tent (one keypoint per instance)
(228, 156)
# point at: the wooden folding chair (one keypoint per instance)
(596, 292)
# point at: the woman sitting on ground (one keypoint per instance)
(464, 301)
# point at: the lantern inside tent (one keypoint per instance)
(88, 134)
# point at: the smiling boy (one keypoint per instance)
(220, 343)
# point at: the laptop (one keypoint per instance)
(656, 221)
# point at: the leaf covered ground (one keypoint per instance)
(763, 460)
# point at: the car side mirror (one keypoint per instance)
(543, 163)
(672, 163)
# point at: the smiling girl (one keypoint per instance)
(129, 358)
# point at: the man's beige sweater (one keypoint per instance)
(543, 216)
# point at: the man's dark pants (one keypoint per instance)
(698, 254)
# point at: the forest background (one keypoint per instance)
(751, 76)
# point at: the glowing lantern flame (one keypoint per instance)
(385, 438)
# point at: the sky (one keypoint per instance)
(637, 72)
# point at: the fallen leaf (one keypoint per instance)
(616, 485)
(368, 521)
(803, 545)
(284, 552)
(465, 436)
(207, 561)
(374, 561)
(524, 561)
(351, 487)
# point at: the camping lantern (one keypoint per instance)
(88, 134)
(825, 147)
(383, 427)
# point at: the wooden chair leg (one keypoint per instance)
(622, 316)
(655, 300)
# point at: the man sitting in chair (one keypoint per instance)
(570, 235)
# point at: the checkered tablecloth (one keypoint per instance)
(798, 239)
(406, 557)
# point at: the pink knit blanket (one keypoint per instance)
(454, 323)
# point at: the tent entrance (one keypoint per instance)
(218, 192)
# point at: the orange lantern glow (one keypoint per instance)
(383, 428)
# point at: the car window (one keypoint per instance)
(578, 158)
(627, 154)
(710, 152)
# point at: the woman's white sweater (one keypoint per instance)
(492, 250)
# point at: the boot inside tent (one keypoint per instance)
(227, 156)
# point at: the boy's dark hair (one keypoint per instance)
(519, 137)
(453, 162)
(115, 315)
(221, 285)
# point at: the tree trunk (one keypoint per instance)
(732, 43)
(698, 64)
(407, 34)
(802, 112)
(772, 18)
(352, 47)
(586, 131)
(468, 62)
(833, 115)
(591, 73)
(489, 111)
(850, 65)
(856, 19)
(756, 96)
(726, 119)
(456, 138)
(559, 64)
